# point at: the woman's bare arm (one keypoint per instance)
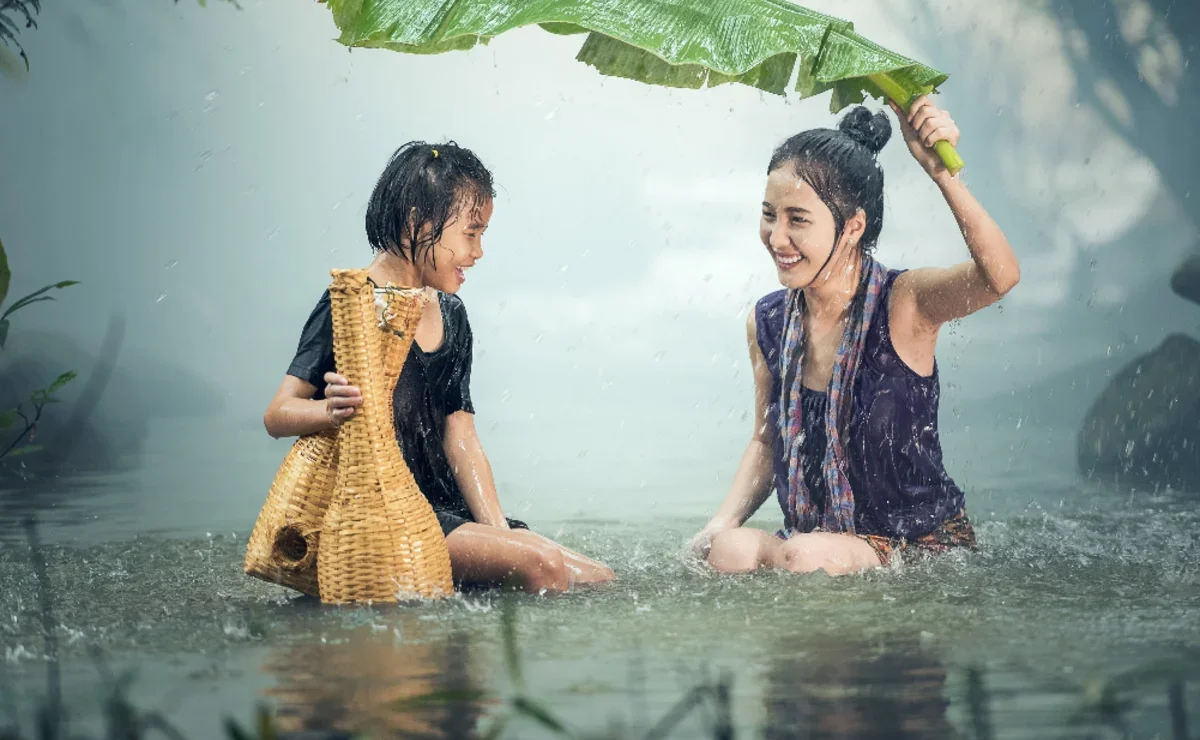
(752, 483)
(937, 295)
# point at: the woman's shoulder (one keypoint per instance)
(771, 303)
(770, 309)
(768, 318)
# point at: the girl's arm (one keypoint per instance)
(472, 471)
(939, 295)
(294, 412)
(752, 483)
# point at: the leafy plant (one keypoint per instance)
(26, 414)
(12, 14)
(760, 43)
(15, 14)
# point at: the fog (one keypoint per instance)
(200, 170)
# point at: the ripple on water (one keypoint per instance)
(1049, 600)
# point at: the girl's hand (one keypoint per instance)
(341, 399)
(923, 126)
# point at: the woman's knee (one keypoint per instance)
(736, 550)
(835, 554)
(801, 558)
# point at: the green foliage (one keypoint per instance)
(18, 14)
(36, 296)
(5, 274)
(13, 15)
(678, 44)
(682, 43)
(26, 414)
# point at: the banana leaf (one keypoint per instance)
(674, 43)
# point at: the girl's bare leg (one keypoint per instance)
(480, 554)
(589, 571)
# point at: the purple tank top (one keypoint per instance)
(894, 453)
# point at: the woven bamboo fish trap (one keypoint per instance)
(381, 541)
(392, 547)
(283, 545)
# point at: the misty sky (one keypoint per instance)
(201, 170)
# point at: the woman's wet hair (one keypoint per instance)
(424, 185)
(841, 167)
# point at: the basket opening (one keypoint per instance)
(291, 545)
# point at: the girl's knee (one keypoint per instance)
(602, 574)
(545, 570)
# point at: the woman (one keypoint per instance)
(846, 383)
(425, 222)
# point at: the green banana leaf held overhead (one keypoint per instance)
(674, 43)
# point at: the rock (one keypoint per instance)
(1144, 429)
(1186, 279)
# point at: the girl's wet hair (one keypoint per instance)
(424, 185)
(841, 168)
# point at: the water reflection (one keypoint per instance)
(847, 690)
(397, 679)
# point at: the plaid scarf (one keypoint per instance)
(802, 514)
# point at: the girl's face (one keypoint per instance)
(443, 266)
(797, 229)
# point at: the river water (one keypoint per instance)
(1076, 587)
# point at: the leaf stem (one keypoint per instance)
(904, 98)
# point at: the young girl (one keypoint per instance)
(846, 383)
(425, 222)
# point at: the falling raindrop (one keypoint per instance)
(171, 264)
(161, 296)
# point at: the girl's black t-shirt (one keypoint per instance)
(432, 386)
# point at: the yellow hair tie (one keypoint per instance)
(435, 153)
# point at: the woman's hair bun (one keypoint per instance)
(872, 130)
